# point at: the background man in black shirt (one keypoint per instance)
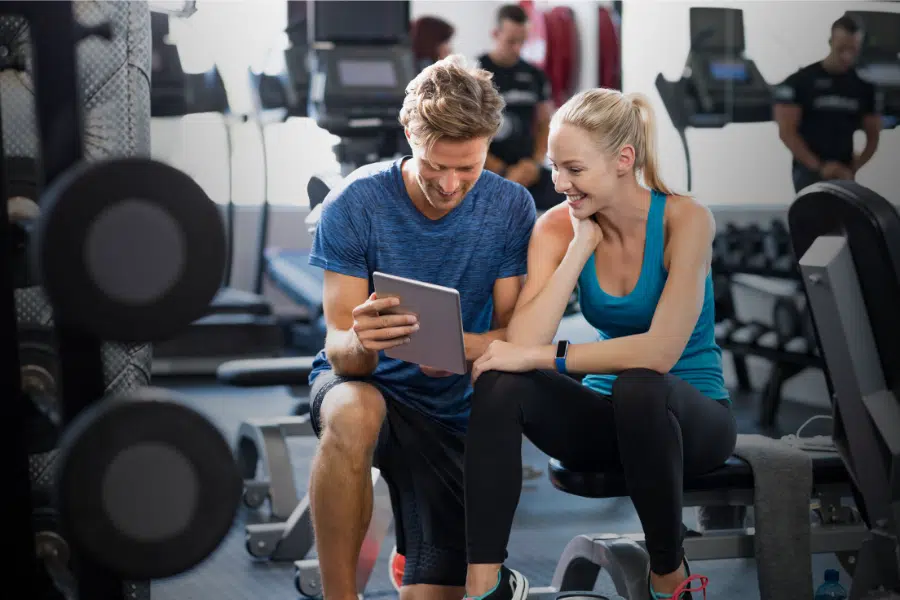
(520, 147)
(820, 107)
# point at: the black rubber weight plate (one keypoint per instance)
(147, 487)
(129, 249)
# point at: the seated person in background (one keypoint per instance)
(520, 147)
(438, 217)
(820, 107)
(653, 403)
(431, 38)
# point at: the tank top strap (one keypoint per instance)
(656, 228)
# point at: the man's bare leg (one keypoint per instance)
(340, 491)
(431, 592)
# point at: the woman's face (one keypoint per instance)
(444, 50)
(588, 177)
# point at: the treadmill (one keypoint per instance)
(879, 60)
(720, 85)
(239, 323)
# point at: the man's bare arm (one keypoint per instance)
(341, 294)
(872, 128)
(788, 118)
(506, 294)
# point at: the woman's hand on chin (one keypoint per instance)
(512, 358)
(587, 232)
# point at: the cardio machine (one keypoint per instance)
(238, 322)
(719, 85)
(879, 61)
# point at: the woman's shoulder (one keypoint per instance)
(555, 225)
(687, 212)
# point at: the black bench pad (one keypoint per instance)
(735, 474)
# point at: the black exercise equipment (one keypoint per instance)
(148, 486)
(719, 85)
(879, 61)
(39, 366)
(128, 249)
(359, 73)
(22, 208)
(283, 81)
(102, 442)
(848, 241)
(237, 322)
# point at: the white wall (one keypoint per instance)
(744, 163)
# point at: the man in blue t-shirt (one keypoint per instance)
(438, 217)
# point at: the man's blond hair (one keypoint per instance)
(451, 101)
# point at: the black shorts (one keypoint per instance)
(422, 463)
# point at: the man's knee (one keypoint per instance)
(352, 415)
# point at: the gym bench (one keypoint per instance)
(625, 558)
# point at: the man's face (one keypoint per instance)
(845, 47)
(448, 170)
(509, 37)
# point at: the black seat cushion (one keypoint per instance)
(290, 271)
(232, 301)
(734, 474)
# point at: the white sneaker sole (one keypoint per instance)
(521, 584)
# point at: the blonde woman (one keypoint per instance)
(653, 404)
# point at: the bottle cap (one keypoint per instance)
(832, 575)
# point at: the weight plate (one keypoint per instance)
(147, 486)
(39, 368)
(128, 249)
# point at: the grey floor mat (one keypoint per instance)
(545, 522)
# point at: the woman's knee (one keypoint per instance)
(496, 393)
(634, 390)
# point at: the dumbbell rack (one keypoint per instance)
(786, 362)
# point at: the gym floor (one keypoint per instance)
(545, 522)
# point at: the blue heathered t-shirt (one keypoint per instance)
(370, 224)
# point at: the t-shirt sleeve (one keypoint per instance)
(522, 218)
(341, 237)
(868, 103)
(792, 90)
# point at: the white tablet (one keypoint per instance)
(439, 341)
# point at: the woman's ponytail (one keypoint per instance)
(648, 161)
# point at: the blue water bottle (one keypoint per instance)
(832, 588)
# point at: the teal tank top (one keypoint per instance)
(612, 316)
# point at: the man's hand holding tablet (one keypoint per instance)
(439, 349)
(376, 331)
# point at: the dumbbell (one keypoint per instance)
(727, 247)
(146, 486)
(786, 320)
(22, 208)
(133, 250)
(777, 247)
(39, 367)
(722, 294)
(752, 247)
(128, 249)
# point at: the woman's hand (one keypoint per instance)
(587, 233)
(503, 356)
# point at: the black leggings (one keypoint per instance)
(655, 429)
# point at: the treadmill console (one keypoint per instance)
(719, 85)
(879, 61)
(359, 89)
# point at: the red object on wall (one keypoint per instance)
(609, 74)
(553, 46)
(535, 48)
